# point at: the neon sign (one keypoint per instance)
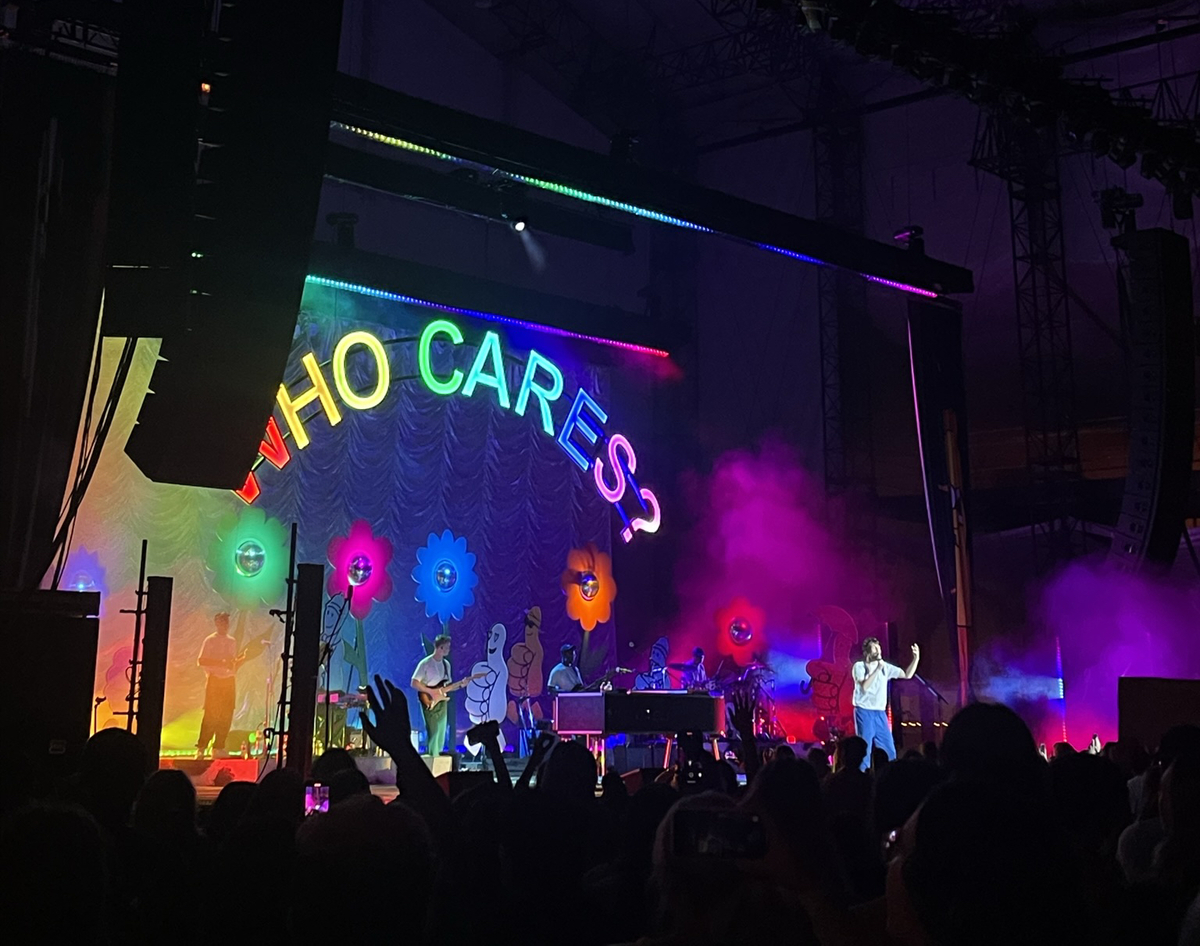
(610, 459)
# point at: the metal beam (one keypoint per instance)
(467, 195)
(520, 153)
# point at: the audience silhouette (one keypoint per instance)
(978, 841)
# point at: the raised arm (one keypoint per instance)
(867, 676)
(911, 669)
(390, 731)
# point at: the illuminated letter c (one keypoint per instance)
(435, 384)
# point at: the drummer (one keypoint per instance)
(694, 675)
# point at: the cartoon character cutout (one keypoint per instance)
(487, 697)
(656, 677)
(525, 670)
(832, 692)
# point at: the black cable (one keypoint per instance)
(108, 413)
(83, 451)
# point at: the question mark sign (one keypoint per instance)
(649, 501)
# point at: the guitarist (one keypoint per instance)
(220, 659)
(431, 677)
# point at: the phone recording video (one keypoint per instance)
(737, 834)
(316, 798)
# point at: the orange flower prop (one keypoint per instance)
(589, 586)
(741, 629)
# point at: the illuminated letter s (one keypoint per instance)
(620, 468)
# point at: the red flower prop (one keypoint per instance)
(589, 586)
(741, 629)
(360, 563)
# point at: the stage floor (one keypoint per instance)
(209, 776)
(207, 794)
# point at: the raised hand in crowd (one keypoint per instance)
(541, 748)
(392, 732)
(743, 700)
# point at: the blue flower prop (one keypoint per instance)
(445, 576)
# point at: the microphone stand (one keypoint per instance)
(931, 688)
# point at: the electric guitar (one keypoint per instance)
(445, 688)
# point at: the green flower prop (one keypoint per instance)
(248, 558)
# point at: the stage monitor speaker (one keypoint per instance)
(626, 758)
(1157, 300)
(1148, 706)
(152, 677)
(268, 68)
(637, 779)
(56, 653)
(306, 662)
(454, 783)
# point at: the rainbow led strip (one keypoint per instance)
(486, 316)
(586, 197)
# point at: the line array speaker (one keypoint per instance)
(261, 95)
(1157, 297)
(306, 662)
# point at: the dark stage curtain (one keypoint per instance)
(54, 131)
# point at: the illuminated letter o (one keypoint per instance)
(352, 398)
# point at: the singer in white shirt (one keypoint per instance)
(871, 676)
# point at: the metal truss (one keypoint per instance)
(83, 34)
(1026, 158)
(634, 88)
(757, 42)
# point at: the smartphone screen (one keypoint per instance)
(719, 834)
(316, 798)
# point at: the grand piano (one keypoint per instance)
(638, 712)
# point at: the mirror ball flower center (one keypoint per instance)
(589, 585)
(740, 630)
(359, 570)
(249, 558)
(445, 574)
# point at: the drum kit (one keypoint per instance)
(756, 678)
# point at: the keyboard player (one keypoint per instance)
(565, 677)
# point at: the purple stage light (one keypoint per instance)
(486, 316)
(902, 286)
(890, 283)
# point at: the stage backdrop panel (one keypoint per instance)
(413, 465)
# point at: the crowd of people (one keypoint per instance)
(981, 840)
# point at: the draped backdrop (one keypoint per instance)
(415, 464)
